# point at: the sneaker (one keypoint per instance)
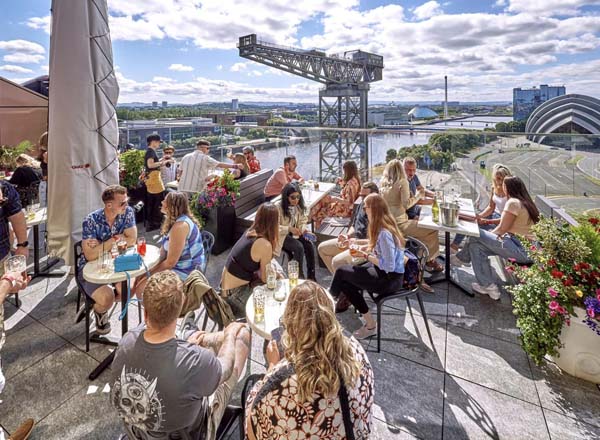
(491, 290)
(457, 262)
(187, 325)
(364, 332)
(23, 431)
(102, 323)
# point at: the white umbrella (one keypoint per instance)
(83, 131)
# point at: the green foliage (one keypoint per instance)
(131, 165)
(390, 154)
(9, 154)
(588, 232)
(511, 127)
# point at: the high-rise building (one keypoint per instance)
(165, 104)
(154, 104)
(235, 105)
(525, 101)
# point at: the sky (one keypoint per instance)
(184, 51)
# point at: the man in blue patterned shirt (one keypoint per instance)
(102, 229)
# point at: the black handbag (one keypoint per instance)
(343, 396)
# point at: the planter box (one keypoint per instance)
(580, 356)
(220, 223)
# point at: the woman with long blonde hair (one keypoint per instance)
(383, 271)
(395, 189)
(239, 158)
(303, 384)
(182, 249)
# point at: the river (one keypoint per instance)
(379, 143)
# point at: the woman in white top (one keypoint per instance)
(489, 218)
(518, 215)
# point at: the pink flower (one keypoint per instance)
(533, 248)
(561, 310)
(553, 293)
(568, 321)
(554, 305)
(509, 269)
(552, 313)
(512, 260)
(591, 313)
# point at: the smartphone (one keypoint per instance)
(276, 335)
(310, 236)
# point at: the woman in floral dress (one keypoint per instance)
(333, 206)
(299, 395)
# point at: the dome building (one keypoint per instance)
(568, 114)
(419, 112)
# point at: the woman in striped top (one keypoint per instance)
(182, 249)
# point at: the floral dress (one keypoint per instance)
(327, 208)
(276, 413)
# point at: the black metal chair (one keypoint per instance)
(208, 241)
(422, 254)
(89, 302)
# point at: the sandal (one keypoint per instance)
(433, 266)
(364, 332)
(426, 288)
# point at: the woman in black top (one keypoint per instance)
(26, 179)
(247, 262)
(238, 174)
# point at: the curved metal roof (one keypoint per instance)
(551, 115)
(419, 112)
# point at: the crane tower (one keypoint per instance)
(342, 102)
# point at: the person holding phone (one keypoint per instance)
(383, 271)
(294, 237)
(168, 172)
(302, 386)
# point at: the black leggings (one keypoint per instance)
(352, 280)
(299, 248)
(153, 215)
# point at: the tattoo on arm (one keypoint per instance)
(226, 356)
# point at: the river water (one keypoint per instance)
(379, 143)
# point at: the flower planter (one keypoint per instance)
(580, 355)
(220, 222)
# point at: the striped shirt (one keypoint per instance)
(195, 168)
(192, 254)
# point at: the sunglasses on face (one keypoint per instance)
(295, 197)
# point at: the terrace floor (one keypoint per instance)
(475, 382)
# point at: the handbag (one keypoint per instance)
(128, 261)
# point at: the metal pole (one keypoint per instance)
(573, 179)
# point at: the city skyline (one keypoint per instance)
(182, 51)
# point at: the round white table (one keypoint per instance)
(92, 273)
(273, 309)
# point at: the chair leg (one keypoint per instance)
(78, 299)
(424, 316)
(17, 300)
(139, 312)
(87, 325)
(379, 307)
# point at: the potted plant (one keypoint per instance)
(557, 301)
(131, 165)
(214, 207)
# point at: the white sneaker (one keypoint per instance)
(491, 290)
(457, 262)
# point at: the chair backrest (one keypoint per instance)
(251, 191)
(77, 252)
(208, 241)
(420, 251)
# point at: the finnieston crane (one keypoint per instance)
(342, 102)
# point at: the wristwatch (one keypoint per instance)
(24, 244)
(12, 280)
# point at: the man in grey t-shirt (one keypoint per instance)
(165, 386)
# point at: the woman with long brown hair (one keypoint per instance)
(334, 206)
(247, 261)
(383, 270)
(239, 158)
(518, 215)
(302, 386)
(182, 249)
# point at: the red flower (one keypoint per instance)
(568, 282)
(552, 262)
(594, 221)
(556, 273)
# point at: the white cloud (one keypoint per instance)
(550, 7)
(40, 23)
(255, 73)
(427, 10)
(23, 58)
(220, 67)
(15, 69)
(22, 46)
(238, 66)
(500, 3)
(180, 68)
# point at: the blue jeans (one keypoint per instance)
(458, 238)
(478, 249)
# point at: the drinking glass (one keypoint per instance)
(105, 260)
(258, 298)
(2, 175)
(122, 246)
(29, 212)
(141, 246)
(293, 272)
(16, 263)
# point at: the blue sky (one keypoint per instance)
(184, 50)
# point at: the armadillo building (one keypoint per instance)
(571, 114)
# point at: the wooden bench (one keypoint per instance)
(251, 196)
(333, 227)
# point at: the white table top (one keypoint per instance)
(464, 227)
(40, 217)
(91, 271)
(273, 310)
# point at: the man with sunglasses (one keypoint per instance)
(102, 229)
(253, 162)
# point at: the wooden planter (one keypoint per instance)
(220, 223)
(580, 355)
